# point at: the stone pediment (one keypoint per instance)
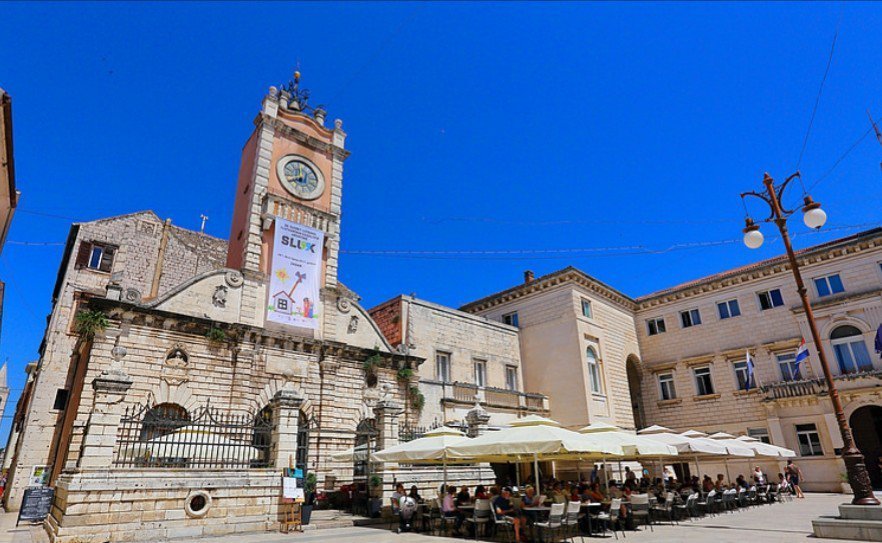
(214, 295)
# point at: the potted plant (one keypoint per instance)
(843, 480)
(309, 483)
(376, 505)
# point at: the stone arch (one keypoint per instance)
(634, 370)
(363, 412)
(843, 320)
(180, 394)
(269, 392)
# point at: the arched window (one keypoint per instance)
(163, 419)
(593, 371)
(262, 436)
(851, 350)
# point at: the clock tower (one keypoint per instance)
(291, 172)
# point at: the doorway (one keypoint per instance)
(866, 425)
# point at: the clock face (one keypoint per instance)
(300, 178)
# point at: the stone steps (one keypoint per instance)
(331, 518)
(854, 523)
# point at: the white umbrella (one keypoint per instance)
(765, 449)
(632, 444)
(684, 444)
(733, 447)
(536, 438)
(432, 447)
(352, 454)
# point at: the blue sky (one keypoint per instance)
(473, 127)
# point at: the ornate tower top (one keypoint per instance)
(293, 97)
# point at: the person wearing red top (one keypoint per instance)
(481, 493)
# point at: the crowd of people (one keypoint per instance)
(453, 503)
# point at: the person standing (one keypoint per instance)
(794, 475)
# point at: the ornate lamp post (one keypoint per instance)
(814, 217)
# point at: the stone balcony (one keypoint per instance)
(782, 390)
(467, 394)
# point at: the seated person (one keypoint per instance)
(557, 494)
(503, 508)
(529, 499)
(593, 494)
(397, 495)
(448, 509)
(415, 494)
(463, 497)
(614, 490)
(707, 484)
(481, 493)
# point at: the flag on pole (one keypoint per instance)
(801, 354)
(749, 382)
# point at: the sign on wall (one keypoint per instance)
(295, 277)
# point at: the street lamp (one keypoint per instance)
(814, 217)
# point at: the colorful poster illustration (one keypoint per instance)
(296, 273)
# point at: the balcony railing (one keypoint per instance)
(811, 387)
(467, 393)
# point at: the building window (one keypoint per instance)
(789, 370)
(851, 351)
(741, 374)
(442, 367)
(829, 284)
(586, 308)
(61, 396)
(511, 318)
(770, 299)
(809, 440)
(690, 317)
(95, 256)
(655, 326)
(593, 371)
(511, 378)
(666, 386)
(728, 309)
(704, 384)
(759, 433)
(481, 373)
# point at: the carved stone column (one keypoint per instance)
(286, 418)
(477, 419)
(110, 388)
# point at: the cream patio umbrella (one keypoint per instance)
(431, 448)
(758, 446)
(685, 445)
(633, 446)
(535, 438)
(352, 454)
(196, 446)
(733, 447)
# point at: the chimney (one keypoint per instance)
(528, 276)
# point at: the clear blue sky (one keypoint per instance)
(472, 127)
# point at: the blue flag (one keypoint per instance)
(879, 340)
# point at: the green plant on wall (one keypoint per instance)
(417, 400)
(372, 362)
(90, 322)
(404, 374)
(215, 335)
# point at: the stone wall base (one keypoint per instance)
(151, 505)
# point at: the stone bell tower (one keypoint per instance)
(291, 169)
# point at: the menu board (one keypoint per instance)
(35, 504)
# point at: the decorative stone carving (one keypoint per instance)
(174, 372)
(219, 298)
(133, 295)
(177, 357)
(344, 304)
(234, 278)
(353, 324)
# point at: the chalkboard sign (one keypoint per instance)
(35, 504)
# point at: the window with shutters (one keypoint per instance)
(96, 256)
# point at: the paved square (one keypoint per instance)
(778, 523)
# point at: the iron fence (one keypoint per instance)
(167, 436)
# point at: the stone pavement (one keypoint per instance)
(778, 523)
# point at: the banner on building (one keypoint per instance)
(296, 275)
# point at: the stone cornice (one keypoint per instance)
(567, 275)
(861, 242)
(838, 299)
(139, 315)
(328, 149)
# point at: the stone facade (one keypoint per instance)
(555, 338)
(633, 355)
(150, 256)
(473, 348)
(778, 404)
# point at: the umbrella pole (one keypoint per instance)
(518, 474)
(728, 475)
(697, 467)
(444, 464)
(536, 471)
